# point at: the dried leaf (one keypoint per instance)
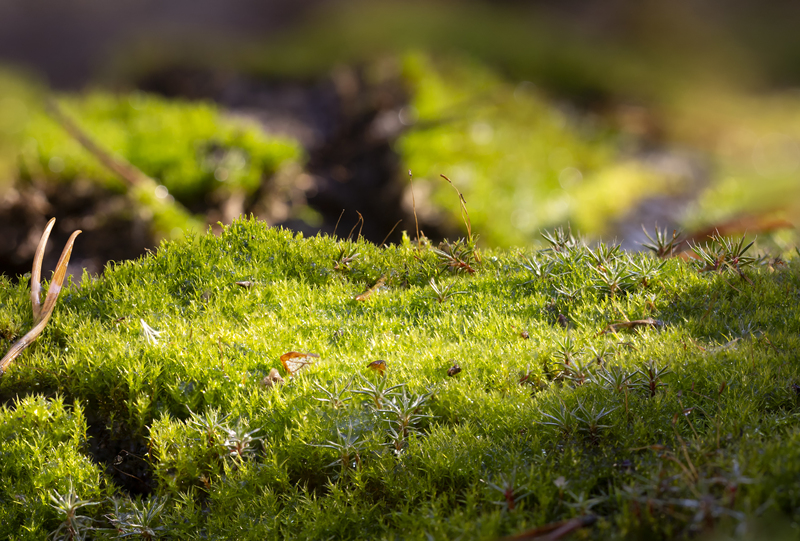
(379, 366)
(649, 322)
(294, 361)
(272, 379)
(58, 278)
(36, 272)
(453, 370)
(41, 313)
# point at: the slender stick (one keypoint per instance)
(390, 232)
(337, 223)
(36, 273)
(122, 168)
(463, 203)
(414, 204)
(359, 221)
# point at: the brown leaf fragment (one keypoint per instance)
(36, 272)
(379, 366)
(522, 333)
(369, 291)
(245, 284)
(294, 361)
(272, 379)
(649, 322)
(453, 370)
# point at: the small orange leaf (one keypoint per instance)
(294, 361)
(379, 366)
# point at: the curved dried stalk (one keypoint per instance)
(36, 272)
(41, 312)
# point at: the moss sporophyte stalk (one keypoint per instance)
(627, 395)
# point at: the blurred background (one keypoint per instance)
(142, 120)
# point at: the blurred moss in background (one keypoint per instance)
(18, 96)
(681, 114)
(603, 117)
(189, 147)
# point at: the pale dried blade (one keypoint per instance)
(36, 271)
(41, 314)
(58, 280)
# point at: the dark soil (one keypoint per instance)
(111, 232)
(347, 125)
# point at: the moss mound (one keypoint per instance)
(516, 390)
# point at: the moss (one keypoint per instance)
(189, 147)
(43, 446)
(170, 350)
(193, 154)
(514, 153)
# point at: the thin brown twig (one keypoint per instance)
(390, 232)
(367, 293)
(414, 204)
(118, 165)
(463, 203)
(554, 530)
(359, 221)
(337, 222)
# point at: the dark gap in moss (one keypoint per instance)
(122, 454)
(11, 392)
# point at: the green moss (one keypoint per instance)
(514, 153)
(43, 449)
(170, 351)
(191, 151)
(190, 148)
(20, 95)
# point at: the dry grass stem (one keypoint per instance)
(41, 313)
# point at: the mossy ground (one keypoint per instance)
(685, 425)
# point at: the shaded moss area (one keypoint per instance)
(684, 423)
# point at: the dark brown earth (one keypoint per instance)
(347, 126)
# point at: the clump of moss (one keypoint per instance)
(189, 147)
(564, 407)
